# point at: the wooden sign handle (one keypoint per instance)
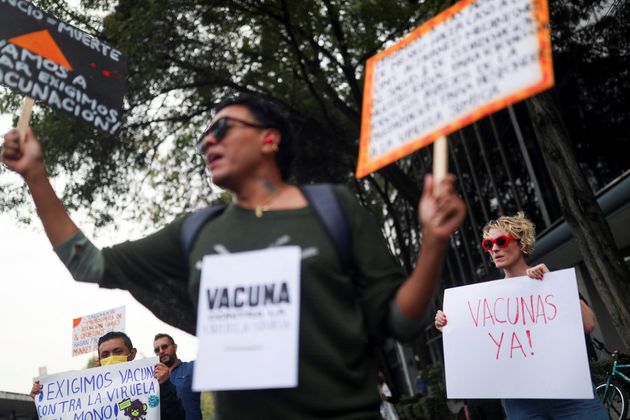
(25, 116)
(440, 161)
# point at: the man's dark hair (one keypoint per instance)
(268, 114)
(116, 334)
(162, 335)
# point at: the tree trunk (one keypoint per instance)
(581, 211)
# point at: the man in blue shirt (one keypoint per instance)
(181, 374)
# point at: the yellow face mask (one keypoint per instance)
(112, 360)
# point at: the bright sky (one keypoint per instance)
(39, 300)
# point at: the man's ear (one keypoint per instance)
(273, 135)
(132, 354)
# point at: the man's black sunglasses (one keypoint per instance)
(219, 129)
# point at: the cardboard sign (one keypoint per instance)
(516, 338)
(56, 63)
(248, 320)
(467, 62)
(121, 391)
(88, 329)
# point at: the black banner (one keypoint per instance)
(59, 64)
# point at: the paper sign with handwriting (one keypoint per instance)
(467, 62)
(248, 320)
(121, 391)
(86, 330)
(516, 338)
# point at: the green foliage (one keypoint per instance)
(183, 57)
(427, 407)
(307, 54)
(207, 406)
(92, 362)
(592, 62)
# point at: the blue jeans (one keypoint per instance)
(554, 409)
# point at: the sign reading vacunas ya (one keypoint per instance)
(54, 62)
(524, 337)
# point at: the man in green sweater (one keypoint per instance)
(248, 150)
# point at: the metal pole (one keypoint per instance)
(506, 166)
(530, 167)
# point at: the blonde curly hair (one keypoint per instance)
(517, 226)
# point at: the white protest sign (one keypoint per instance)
(516, 338)
(248, 320)
(473, 59)
(86, 330)
(121, 391)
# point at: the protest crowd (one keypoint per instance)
(292, 289)
(247, 147)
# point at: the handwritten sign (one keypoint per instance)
(52, 61)
(248, 320)
(467, 62)
(121, 391)
(516, 338)
(88, 329)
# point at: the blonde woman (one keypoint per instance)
(510, 240)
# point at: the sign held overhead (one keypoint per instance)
(51, 61)
(86, 330)
(467, 62)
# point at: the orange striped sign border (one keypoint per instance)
(367, 164)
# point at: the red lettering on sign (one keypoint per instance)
(498, 344)
(475, 320)
(519, 346)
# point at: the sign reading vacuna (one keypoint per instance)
(239, 296)
(54, 62)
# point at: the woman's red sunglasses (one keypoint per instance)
(501, 241)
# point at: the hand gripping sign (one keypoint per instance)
(469, 61)
(48, 60)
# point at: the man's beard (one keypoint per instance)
(169, 361)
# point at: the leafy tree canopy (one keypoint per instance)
(183, 56)
(308, 54)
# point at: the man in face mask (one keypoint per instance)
(116, 347)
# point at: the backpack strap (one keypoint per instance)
(321, 197)
(192, 226)
(324, 200)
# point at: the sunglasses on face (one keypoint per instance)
(219, 129)
(162, 347)
(501, 241)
